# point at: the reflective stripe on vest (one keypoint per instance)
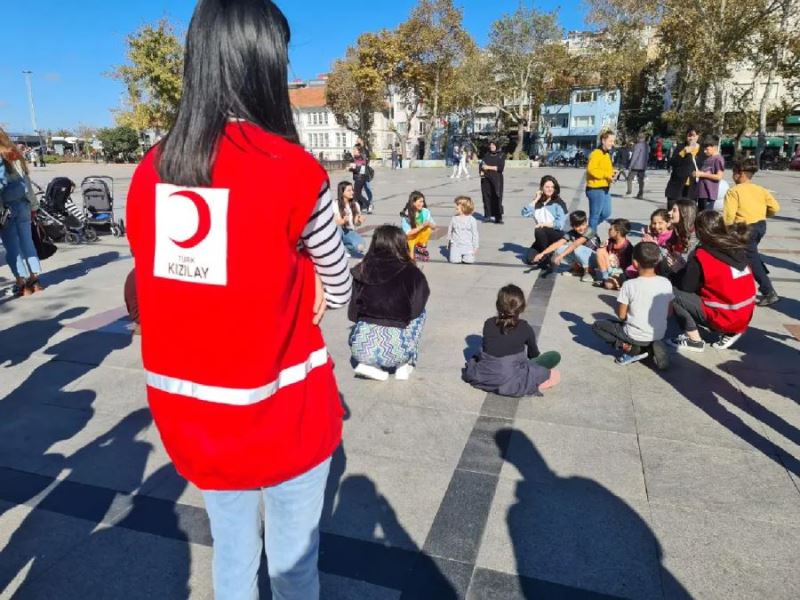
(747, 302)
(238, 396)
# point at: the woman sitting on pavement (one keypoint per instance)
(348, 216)
(17, 205)
(717, 288)
(549, 212)
(387, 307)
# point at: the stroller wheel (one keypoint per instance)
(72, 238)
(121, 226)
(91, 234)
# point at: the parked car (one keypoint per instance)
(794, 164)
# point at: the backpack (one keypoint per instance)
(370, 173)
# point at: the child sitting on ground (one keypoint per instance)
(462, 233)
(418, 225)
(578, 246)
(682, 217)
(615, 256)
(643, 307)
(717, 288)
(510, 363)
(659, 233)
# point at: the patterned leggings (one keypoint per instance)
(386, 347)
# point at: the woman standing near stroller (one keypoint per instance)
(17, 202)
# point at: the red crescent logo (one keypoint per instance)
(203, 220)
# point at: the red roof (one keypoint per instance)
(308, 97)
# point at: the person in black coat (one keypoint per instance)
(387, 307)
(491, 172)
(681, 184)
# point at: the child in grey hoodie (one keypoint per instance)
(462, 234)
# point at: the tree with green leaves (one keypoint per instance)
(434, 39)
(356, 89)
(119, 142)
(526, 61)
(153, 77)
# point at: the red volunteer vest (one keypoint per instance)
(238, 379)
(728, 295)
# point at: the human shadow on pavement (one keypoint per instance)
(120, 458)
(780, 263)
(706, 389)
(790, 307)
(79, 269)
(571, 535)
(20, 341)
(519, 251)
(40, 413)
(582, 331)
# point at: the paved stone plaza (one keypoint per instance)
(620, 482)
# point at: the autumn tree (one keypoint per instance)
(526, 59)
(153, 77)
(356, 88)
(434, 40)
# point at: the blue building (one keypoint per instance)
(578, 123)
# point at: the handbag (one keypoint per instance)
(45, 248)
(5, 215)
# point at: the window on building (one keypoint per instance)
(612, 96)
(327, 141)
(310, 141)
(581, 97)
(558, 120)
(583, 121)
(325, 118)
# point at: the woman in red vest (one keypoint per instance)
(717, 288)
(229, 216)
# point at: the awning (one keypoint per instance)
(793, 120)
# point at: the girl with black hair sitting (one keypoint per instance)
(549, 212)
(510, 363)
(387, 307)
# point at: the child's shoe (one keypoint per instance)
(371, 372)
(684, 344)
(403, 373)
(627, 359)
(423, 253)
(726, 340)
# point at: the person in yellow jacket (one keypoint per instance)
(599, 175)
(749, 203)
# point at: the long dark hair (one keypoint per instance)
(684, 228)
(235, 67)
(556, 197)
(510, 304)
(343, 185)
(713, 233)
(388, 241)
(411, 210)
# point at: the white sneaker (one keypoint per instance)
(404, 372)
(371, 372)
(726, 341)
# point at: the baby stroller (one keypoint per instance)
(61, 218)
(98, 199)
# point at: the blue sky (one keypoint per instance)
(71, 44)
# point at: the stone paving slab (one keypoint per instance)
(621, 482)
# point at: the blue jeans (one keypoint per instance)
(599, 207)
(582, 255)
(292, 511)
(352, 240)
(18, 241)
(368, 189)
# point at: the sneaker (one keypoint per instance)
(404, 372)
(370, 208)
(683, 343)
(627, 359)
(371, 372)
(422, 250)
(660, 355)
(768, 299)
(725, 341)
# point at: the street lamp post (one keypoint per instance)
(33, 110)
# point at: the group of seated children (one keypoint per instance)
(698, 268)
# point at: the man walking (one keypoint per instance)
(638, 165)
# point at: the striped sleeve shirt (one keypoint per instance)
(322, 240)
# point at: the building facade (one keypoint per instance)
(579, 122)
